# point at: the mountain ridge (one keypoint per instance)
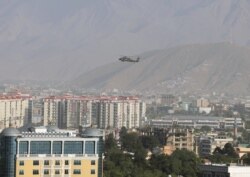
(220, 67)
(72, 38)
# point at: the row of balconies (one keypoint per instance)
(52, 166)
(57, 155)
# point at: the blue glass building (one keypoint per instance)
(8, 149)
(51, 153)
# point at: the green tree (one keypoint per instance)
(230, 151)
(161, 162)
(117, 163)
(130, 142)
(181, 162)
(184, 163)
(140, 155)
(176, 166)
(110, 142)
(246, 159)
(122, 133)
(225, 155)
(149, 142)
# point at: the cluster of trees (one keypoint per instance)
(225, 155)
(246, 159)
(129, 160)
(180, 162)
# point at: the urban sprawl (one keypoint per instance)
(65, 134)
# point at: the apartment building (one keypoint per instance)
(67, 111)
(202, 102)
(51, 154)
(116, 112)
(15, 110)
(197, 121)
(37, 110)
(101, 111)
(207, 144)
(180, 139)
(50, 111)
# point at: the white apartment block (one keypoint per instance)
(50, 111)
(14, 110)
(197, 121)
(103, 111)
(116, 112)
(67, 111)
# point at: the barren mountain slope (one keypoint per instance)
(220, 67)
(60, 39)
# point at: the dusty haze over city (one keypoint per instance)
(63, 40)
(125, 88)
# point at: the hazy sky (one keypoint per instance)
(49, 39)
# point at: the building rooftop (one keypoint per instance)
(10, 132)
(92, 132)
(92, 98)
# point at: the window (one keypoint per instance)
(57, 172)
(57, 162)
(35, 172)
(46, 172)
(73, 147)
(23, 147)
(92, 172)
(46, 162)
(77, 162)
(92, 162)
(21, 172)
(66, 172)
(40, 147)
(35, 162)
(21, 163)
(90, 147)
(77, 172)
(57, 147)
(66, 162)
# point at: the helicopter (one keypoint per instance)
(129, 59)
